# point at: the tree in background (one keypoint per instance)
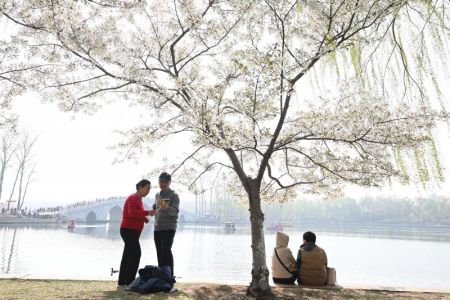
(7, 150)
(288, 96)
(25, 168)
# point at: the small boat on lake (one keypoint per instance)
(71, 225)
(229, 227)
(275, 227)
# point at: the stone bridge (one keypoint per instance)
(110, 210)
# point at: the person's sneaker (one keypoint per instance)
(122, 287)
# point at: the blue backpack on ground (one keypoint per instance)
(153, 279)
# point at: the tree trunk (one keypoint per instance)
(2, 177)
(196, 204)
(259, 287)
(13, 188)
(24, 192)
(26, 186)
(19, 199)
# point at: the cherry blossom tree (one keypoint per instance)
(289, 97)
(14, 76)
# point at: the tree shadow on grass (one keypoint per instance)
(129, 295)
(219, 292)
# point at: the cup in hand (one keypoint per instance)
(162, 202)
(165, 202)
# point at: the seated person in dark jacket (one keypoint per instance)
(311, 262)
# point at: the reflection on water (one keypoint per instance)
(370, 255)
(403, 232)
(11, 252)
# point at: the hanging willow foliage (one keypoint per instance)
(410, 71)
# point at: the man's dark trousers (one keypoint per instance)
(163, 242)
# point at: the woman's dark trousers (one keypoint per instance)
(285, 280)
(131, 255)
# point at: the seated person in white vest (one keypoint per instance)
(311, 262)
(283, 262)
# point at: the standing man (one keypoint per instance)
(166, 210)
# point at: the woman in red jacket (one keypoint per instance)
(134, 217)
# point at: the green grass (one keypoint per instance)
(24, 289)
(72, 289)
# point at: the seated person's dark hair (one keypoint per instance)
(142, 183)
(309, 237)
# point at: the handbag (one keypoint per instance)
(294, 273)
(331, 276)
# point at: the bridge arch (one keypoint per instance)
(91, 217)
(115, 214)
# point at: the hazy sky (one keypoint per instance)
(73, 162)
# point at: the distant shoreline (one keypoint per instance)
(26, 220)
(5, 220)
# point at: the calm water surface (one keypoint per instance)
(362, 255)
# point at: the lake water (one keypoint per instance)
(401, 257)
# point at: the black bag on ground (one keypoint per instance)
(153, 279)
